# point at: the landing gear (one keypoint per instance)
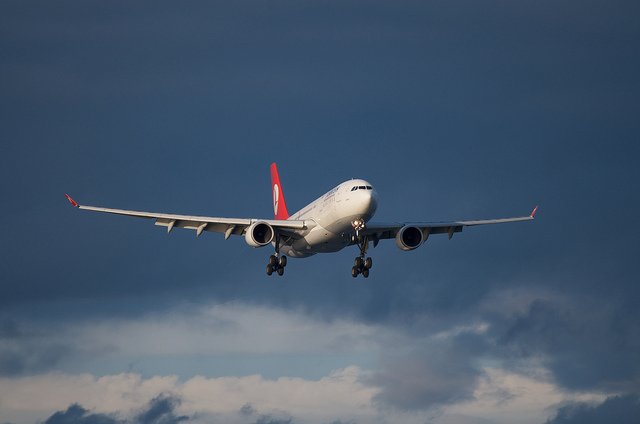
(362, 264)
(277, 262)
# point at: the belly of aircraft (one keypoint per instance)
(319, 240)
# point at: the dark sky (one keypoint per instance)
(459, 110)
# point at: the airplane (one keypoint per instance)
(339, 218)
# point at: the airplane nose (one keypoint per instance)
(374, 199)
(371, 202)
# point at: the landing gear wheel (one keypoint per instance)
(362, 266)
(276, 264)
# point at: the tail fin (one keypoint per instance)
(279, 206)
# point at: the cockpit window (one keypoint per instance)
(369, 188)
(361, 188)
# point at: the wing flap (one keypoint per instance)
(215, 227)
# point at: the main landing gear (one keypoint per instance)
(277, 262)
(362, 264)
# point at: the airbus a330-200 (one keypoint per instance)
(339, 218)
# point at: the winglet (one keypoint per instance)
(72, 201)
(279, 206)
(534, 211)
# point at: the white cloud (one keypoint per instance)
(227, 329)
(506, 397)
(28, 399)
(213, 332)
(501, 397)
(340, 395)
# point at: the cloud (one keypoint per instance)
(623, 409)
(225, 330)
(278, 417)
(26, 349)
(583, 345)
(160, 410)
(516, 397)
(434, 376)
(587, 343)
(341, 397)
(269, 419)
(76, 414)
(426, 365)
(231, 328)
(164, 400)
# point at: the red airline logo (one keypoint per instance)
(279, 206)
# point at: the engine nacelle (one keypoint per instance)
(259, 234)
(409, 238)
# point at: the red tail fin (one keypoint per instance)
(279, 206)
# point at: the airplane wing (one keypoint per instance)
(379, 231)
(226, 226)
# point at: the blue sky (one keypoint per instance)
(463, 110)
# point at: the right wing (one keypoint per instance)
(226, 226)
(379, 231)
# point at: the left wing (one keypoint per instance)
(379, 231)
(227, 226)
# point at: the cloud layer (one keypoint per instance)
(417, 375)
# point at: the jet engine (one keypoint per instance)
(409, 238)
(259, 234)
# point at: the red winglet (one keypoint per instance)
(534, 212)
(72, 201)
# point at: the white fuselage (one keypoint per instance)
(330, 219)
